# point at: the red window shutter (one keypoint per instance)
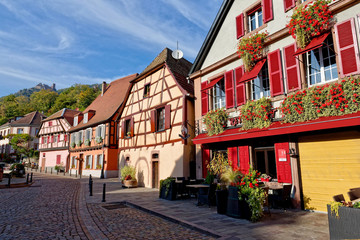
(65, 137)
(240, 26)
(204, 99)
(58, 138)
(292, 68)
(240, 87)
(275, 73)
(347, 48)
(153, 120)
(267, 10)
(233, 157)
(132, 127)
(244, 159)
(42, 140)
(123, 129)
(205, 160)
(48, 139)
(283, 165)
(167, 116)
(289, 4)
(229, 89)
(58, 159)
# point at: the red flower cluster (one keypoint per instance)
(128, 177)
(255, 112)
(327, 100)
(250, 49)
(309, 21)
(215, 121)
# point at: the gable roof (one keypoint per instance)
(210, 38)
(178, 67)
(66, 113)
(33, 118)
(105, 106)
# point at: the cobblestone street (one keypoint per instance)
(55, 208)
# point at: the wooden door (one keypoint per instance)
(43, 164)
(155, 174)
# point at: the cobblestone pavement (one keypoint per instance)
(46, 210)
(54, 207)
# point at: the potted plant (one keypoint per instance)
(251, 196)
(87, 166)
(98, 139)
(87, 142)
(217, 166)
(98, 166)
(344, 220)
(128, 174)
(168, 189)
(128, 134)
(78, 143)
(72, 144)
(215, 121)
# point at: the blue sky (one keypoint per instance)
(90, 41)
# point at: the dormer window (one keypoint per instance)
(76, 118)
(85, 117)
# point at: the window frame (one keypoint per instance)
(76, 121)
(127, 128)
(331, 54)
(218, 102)
(264, 71)
(89, 161)
(158, 112)
(22, 131)
(86, 118)
(255, 12)
(146, 92)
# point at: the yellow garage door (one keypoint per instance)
(330, 165)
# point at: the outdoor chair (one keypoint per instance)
(207, 195)
(339, 198)
(180, 178)
(266, 201)
(182, 188)
(354, 194)
(283, 199)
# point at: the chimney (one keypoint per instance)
(103, 88)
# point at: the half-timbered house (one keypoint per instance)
(159, 109)
(94, 142)
(54, 140)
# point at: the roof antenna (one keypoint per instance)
(177, 54)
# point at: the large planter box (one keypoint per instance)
(171, 195)
(235, 207)
(347, 225)
(130, 183)
(221, 201)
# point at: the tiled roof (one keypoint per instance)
(179, 68)
(68, 114)
(106, 105)
(33, 118)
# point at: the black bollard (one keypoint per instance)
(90, 178)
(31, 177)
(64, 172)
(27, 178)
(57, 172)
(103, 197)
(9, 180)
(70, 172)
(50, 170)
(45, 169)
(76, 173)
(91, 187)
(40, 169)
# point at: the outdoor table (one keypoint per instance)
(197, 187)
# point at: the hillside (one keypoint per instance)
(47, 100)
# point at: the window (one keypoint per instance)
(100, 131)
(36, 131)
(88, 162)
(50, 123)
(265, 161)
(88, 134)
(160, 117)
(76, 118)
(260, 86)
(58, 138)
(85, 117)
(99, 161)
(146, 90)
(321, 64)
(44, 139)
(73, 162)
(128, 128)
(255, 18)
(20, 131)
(73, 137)
(218, 95)
(55, 138)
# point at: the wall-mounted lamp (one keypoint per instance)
(293, 153)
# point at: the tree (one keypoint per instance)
(21, 144)
(43, 100)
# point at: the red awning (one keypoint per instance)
(315, 43)
(254, 72)
(278, 128)
(212, 83)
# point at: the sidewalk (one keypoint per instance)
(281, 224)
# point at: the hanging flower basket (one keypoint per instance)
(309, 21)
(256, 114)
(215, 121)
(251, 49)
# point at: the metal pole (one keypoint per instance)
(27, 178)
(9, 180)
(45, 169)
(90, 185)
(31, 175)
(57, 172)
(76, 173)
(103, 196)
(50, 170)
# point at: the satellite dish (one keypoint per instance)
(177, 54)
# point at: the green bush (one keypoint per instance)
(17, 169)
(127, 171)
